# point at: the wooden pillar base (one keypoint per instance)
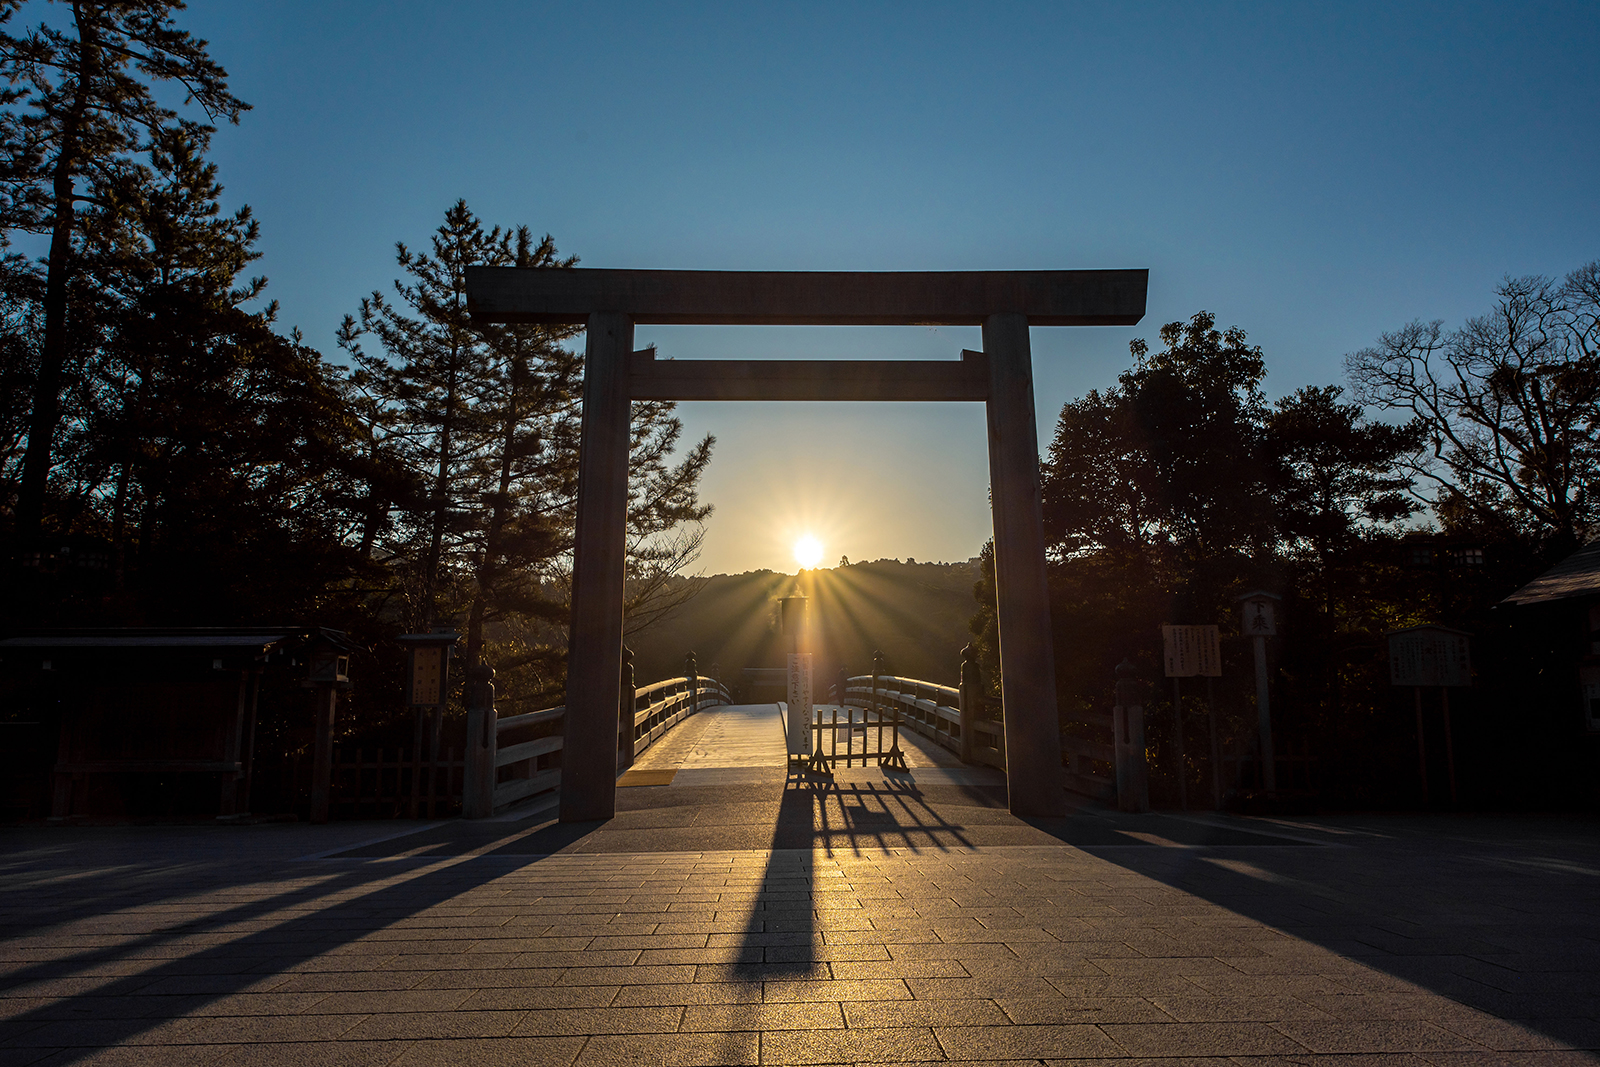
(594, 656)
(1034, 781)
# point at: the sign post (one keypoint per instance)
(427, 690)
(1427, 656)
(1258, 620)
(1191, 651)
(798, 674)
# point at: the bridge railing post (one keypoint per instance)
(627, 709)
(691, 671)
(478, 761)
(1133, 772)
(971, 699)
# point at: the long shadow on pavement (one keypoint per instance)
(1498, 915)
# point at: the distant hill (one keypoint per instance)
(916, 613)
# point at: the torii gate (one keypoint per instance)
(609, 303)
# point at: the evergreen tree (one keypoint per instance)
(216, 457)
(488, 418)
(79, 108)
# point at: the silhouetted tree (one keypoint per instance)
(1509, 409)
(487, 417)
(80, 107)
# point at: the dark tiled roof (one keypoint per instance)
(1577, 575)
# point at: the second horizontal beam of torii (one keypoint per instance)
(808, 379)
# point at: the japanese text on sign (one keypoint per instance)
(799, 703)
(1429, 655)
(426, 664)
(1191, 651)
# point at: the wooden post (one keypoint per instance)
(233, 750)
(61, 782)
(478, 756)
(1269, 765)
(249, 756)
(1216, 754)
(1449, 743)
(594, 656)
(436, 787)
(1027, 661)
(627, 708)
(324, 701)
(971, 700)
(691, 672)
(1127, 724)
(1177, 745)
(1422, 747)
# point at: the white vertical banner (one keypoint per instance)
(800, 704)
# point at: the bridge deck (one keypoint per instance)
(748, 736)
(738, 917)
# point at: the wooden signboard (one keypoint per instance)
(1192, 651)
(427, 676)
(799, 703)
(1429, 655)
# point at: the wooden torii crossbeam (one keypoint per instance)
(609, 303)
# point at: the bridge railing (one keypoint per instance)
(518, 756)
(662, 705)
(969, 722)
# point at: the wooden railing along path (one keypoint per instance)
(512, 757)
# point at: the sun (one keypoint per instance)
(808, 552)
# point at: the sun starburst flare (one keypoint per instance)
(808, 552)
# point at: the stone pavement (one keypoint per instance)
(885, 920)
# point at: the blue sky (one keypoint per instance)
(1313, 173)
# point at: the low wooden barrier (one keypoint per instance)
(368, 785)
(877, 722)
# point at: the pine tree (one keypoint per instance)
(80, 108)
(217, 457)
(489, 416)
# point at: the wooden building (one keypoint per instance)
(1568, 596)
(133, 722)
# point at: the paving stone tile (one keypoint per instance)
(1016, 1042)
(436, 1025)
(342, 981)
(388, 1001)
(498, 1052)
(510, 998)
(256, 1028)
(892, 1013)
(1035, 1010)
(630, 975)
(672, 1050)
(126, 1056)
(979, 988)
(898, 969)
(849, 1046)
(1266, 1009)
(1201, 1039)
(659, 1019)
(302, 1054)
(1543, 1058)
(690, 993)
(785, 1016)
(1409, 1035)
(835, 990)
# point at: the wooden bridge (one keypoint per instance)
(509, 758)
